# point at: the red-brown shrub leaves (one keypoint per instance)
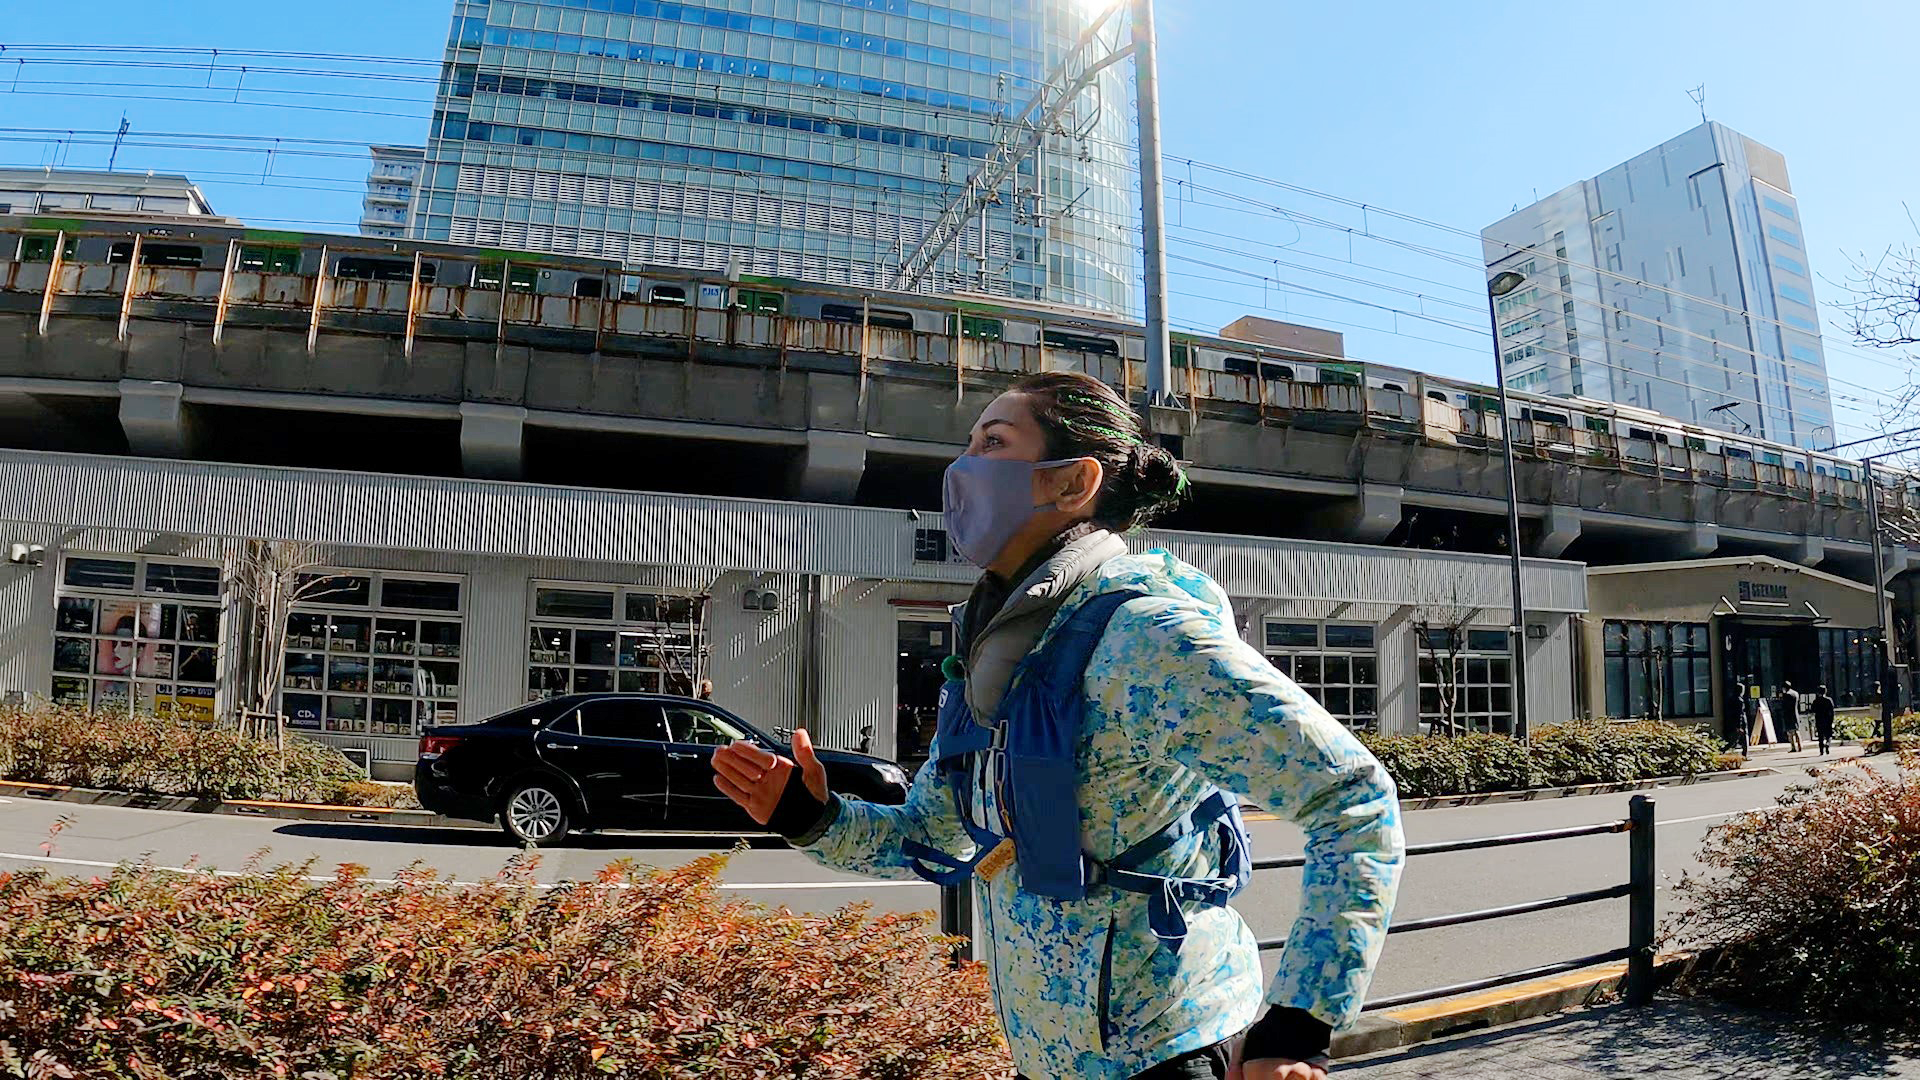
(641, 974)
(1816, 903)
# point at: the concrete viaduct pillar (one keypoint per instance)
(156, 419)
(830, 467)
(493, 440)
(1558, 532)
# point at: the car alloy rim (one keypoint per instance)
(535, 813)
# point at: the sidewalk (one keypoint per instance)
(1682, 1039)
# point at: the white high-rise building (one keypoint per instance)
(1676, 282)
(388, 204)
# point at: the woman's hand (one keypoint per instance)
(756, 778)
(1274, 1068)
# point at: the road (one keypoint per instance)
(100, 837)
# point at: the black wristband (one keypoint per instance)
(798, 812)
(1292, 1034)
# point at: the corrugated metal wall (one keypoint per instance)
(26, 612)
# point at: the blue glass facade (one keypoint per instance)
(797, 138)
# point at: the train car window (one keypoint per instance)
(175, 255)
(1182, 353)
(976, 328)
(1843, 473)
(757, 302)
(1339, 378)
(1086, 343)
(1277, 372)
(1739, 454)
(1599, 425)
(1393, 386)
(487, 276)
(1772, 458)
(1438, 396)
(1554, 418)
(667, 296)
(1239, 365)
(1696, 443)
(840, 313)
(270, 260)
(353, 268)
(589, 288)
(37, 249)
(889, 320)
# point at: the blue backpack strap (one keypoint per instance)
(1044, 714)
(1219, 810)
(957, 739)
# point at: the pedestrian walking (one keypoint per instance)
(1822, 708)
(1099, 713)
(1789, 717)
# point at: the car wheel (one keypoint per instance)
(536, 814)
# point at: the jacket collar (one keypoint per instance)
(1050, 583)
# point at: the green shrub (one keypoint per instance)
(1583, 752)
(639, 974)
(1859, 727)
(1812, 904)
(55, 744)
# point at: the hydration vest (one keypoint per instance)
(1030, 755)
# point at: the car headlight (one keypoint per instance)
(893, 774)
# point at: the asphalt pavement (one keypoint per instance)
(97, 838)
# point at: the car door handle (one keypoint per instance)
(682, 757)
(562, 746)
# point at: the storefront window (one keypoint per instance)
(586, 640)
(374, 654)
(1849, 666)
(1475, 669)
(125, 640)
(1658, 669)
(1337, 663)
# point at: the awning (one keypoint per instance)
(1781, 612)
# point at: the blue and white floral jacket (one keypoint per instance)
(1176, 701)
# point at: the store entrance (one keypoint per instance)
(1767, 654)
(924, 643)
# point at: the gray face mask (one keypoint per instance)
(988, 500)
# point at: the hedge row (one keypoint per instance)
(54, 744)
(1562, 755)
(1813, 904)
(650, 974)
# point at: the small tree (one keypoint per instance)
(1442, 621)
(264, 580)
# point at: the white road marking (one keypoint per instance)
(750, 886)
(1716, 817)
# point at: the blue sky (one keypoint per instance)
(1448, 111)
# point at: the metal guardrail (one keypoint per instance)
(956, 908)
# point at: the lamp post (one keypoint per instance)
(1503, 283)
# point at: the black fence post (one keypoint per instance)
(956, 917)
(1640, 919)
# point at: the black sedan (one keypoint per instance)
(610, 761)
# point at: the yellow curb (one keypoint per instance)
(1507, 995)
(1259, 815)
(52, 789)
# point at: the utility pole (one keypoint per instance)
(1153, 208)
(124, 128)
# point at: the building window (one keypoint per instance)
(1779, 207)
(1337, 663)
(1473, 668)
(136, 634)
(1849, 666)
(1658, 669)
(373, 654)
(1791, 266)
(586, 639)
(1785, 236)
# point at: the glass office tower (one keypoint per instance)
(812, 139)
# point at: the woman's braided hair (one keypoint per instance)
(1083, 417)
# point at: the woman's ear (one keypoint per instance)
(1079, 485)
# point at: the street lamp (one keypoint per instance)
(1503, 283)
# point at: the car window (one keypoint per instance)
(622, 720)
(699, 727)
(566, 725)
